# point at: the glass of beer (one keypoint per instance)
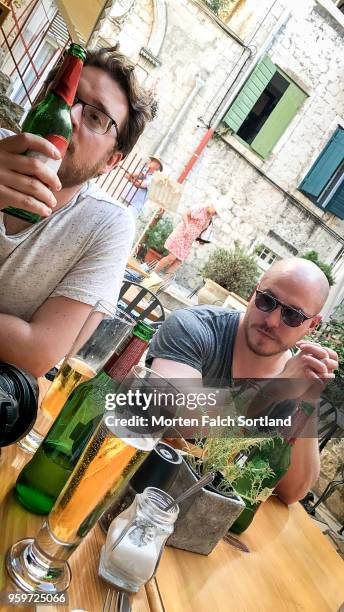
(113, 454)
(105, 330)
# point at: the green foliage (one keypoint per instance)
(221, 8)
(218, 455)
(326, 268)
(157, 235)
(234, 270)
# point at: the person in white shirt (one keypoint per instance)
(53, 272)
(135, 194)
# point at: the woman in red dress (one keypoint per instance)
(179, 242)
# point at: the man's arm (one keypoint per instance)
(39, 344)
(174, 369)
(303, 471)
(313, 364)
(26, 182)
(137, 180)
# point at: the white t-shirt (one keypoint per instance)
(79, 252)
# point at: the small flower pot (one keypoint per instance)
(152, 255)
(205, 517)
(212, 293)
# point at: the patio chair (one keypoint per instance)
(328, 422)
(328, 425)
(142, 304)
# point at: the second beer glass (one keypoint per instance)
(104, 331)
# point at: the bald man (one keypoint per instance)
(221, 345)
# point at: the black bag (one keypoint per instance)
(206, 236)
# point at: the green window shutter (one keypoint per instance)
(251, 91)
(278, 120)
(336, 204)
(324, 166)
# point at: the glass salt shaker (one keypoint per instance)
(136, 539)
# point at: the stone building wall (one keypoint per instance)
(10, 112)
(332, 457)
(263, 205)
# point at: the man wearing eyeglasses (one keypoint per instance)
(53, 272)
(220, 346)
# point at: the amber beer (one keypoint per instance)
(72, 373)
(105, 467)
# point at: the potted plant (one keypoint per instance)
(228, 272)
(153, 244)
(206, 518)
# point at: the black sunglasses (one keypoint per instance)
(290, 316)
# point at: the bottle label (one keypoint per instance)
(53, 164)
(67, 79)
(60, 143)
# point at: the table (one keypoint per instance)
(87, 590)
(291, 567)
(134, 264)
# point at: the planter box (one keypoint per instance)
(204, 518)
(152, 255)
(212, 293)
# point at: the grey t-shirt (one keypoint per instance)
(79, 252)
(201, 337)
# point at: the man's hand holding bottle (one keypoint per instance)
(27, 182)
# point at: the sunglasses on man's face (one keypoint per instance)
(290, 316)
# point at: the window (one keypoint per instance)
(264, 107)
(266, 257)
(340, 4)
(324, 183)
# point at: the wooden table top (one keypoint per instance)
(135, 265)
(291, 566)
(87, 590)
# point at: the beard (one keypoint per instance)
(71, 173)
(258, 347)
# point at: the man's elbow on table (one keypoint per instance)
(293, 488)
(39, 344)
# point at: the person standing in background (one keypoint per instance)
(135, 194)
(179, 242)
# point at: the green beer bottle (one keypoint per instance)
(275, 454)
(51, 118)
(41, 480)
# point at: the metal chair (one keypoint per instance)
(142, 305)
(167, 281)
(328, 422)
(332, 486)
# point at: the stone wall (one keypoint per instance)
(263, 205)
(332, 457)
(10, 112)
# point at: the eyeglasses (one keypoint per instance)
(290, 316)
(95, 119)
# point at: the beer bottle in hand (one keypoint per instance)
(51, 118)
(275, 454)
(42, 479)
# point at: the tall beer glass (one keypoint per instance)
(104, 331)
(109, 461)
